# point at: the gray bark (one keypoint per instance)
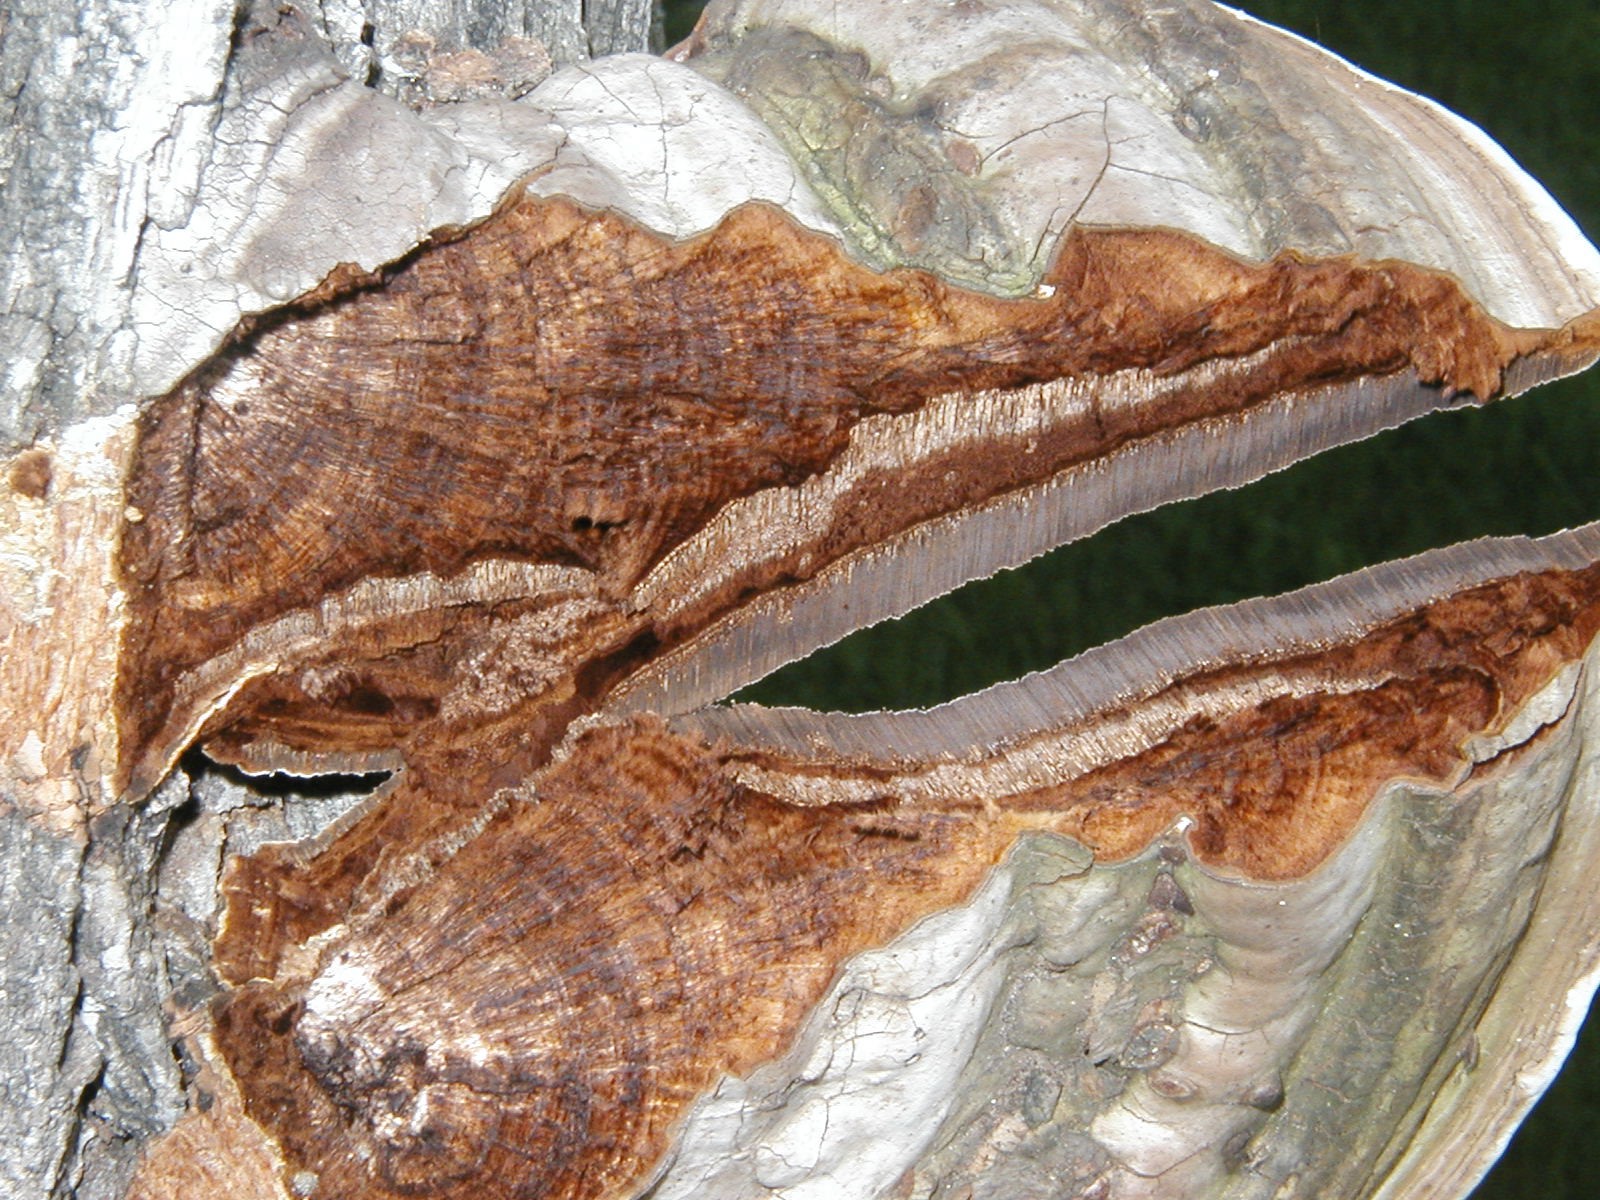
(115, 125)
(96, 126)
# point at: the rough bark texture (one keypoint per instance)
(106, 122)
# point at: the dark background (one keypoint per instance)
(1529, 73)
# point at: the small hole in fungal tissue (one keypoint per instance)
(30, 474)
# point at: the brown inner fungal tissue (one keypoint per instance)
(430, 519)
(561, 388)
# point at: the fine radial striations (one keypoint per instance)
(658, 909)
(1258, 899)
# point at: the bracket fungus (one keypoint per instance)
(825, 313)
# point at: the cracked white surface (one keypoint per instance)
(320, 173)
(1195, 117)
(666, 146)
(323, 171)
(875, 1071)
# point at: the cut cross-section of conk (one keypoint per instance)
(828, 312)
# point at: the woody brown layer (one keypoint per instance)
(562, 387)
(533, 1008)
